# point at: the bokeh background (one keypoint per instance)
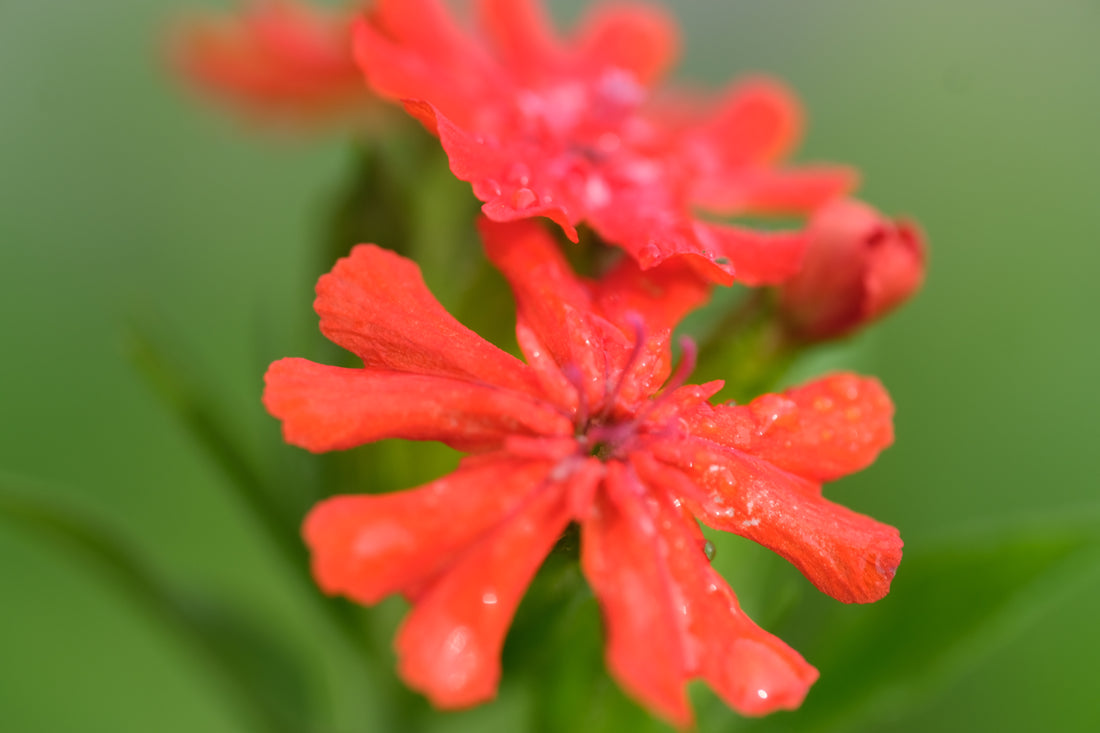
(123, 199)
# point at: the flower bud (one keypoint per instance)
(858, 266)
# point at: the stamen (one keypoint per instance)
(636, 322)
(572, 373)
(689, 353)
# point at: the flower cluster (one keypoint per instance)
(593, 426)
(591, 429)
(572, 131)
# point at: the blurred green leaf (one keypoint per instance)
(946, 608)
(195, 406)
(258, 674)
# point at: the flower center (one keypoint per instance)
(607, 437)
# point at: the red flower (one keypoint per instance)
(569, 131)
(858, 267)
(586, 431)
(278, 59)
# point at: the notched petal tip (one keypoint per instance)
(641, 39)
(450, 644)
(767, 679)
(375, 304)
(882, 556)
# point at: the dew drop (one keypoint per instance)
(762, 694)
(489, 598)
(649, 254)
(523, 198)
(458, 639)
(709, 550)
(597, 191)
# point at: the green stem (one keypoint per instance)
(750, 349)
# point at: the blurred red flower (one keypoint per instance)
(277, 60)
(591, 429)
(569, 130)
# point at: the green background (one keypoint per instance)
(124, 198)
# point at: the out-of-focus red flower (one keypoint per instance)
(858, 267)
(591, 429)
(568, 129)
(277, 60)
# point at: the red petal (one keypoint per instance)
(554, 303)
(449, 645)
(668, 616)
(490, 169)
(523, 37)
(625, 564)
(753, 257)
(826, 429)
(275, 59)
(375, 304)
(662, 295)
(330, 408)
(769, 191)
(850, 556)
(719, 253)
(759, 122)
(413, 49)
(367, 547)
(753, 671)
(642, 40)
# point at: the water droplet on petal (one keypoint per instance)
(523, 198)
(709, 550)
(597, 191)
(762, 694)
(493, 186)
(489, 598)
(458, 639)
(649, 254)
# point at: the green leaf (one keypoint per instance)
(258, 674)
(946, 609)
(196, 408)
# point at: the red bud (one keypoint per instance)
(859, 266)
